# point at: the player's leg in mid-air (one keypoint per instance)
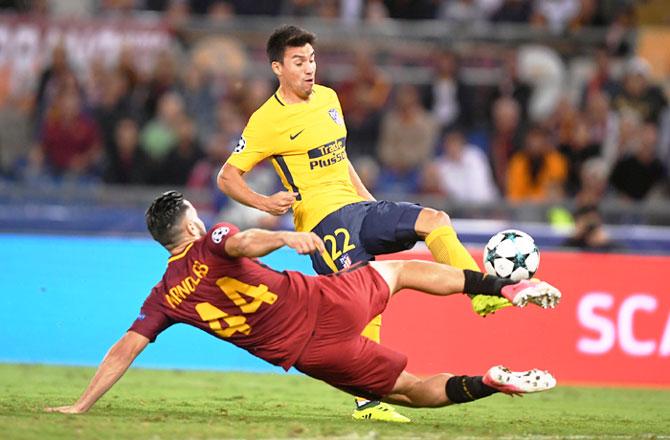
(407, 223)
(340, 356)
(359, 231)
(445, 389)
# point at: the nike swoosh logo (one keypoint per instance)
(293, 136)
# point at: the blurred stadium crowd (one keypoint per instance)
(543, 126)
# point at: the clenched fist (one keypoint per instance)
(280, 202)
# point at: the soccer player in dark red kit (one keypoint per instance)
(214, 283)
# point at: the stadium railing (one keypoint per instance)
(105, 209)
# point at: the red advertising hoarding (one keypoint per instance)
(612, 326)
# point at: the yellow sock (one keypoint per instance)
(447, 248)
(373, 332)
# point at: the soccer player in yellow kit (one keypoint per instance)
(301, 129)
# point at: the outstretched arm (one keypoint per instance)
(231, 181)
(259, 242)
(113, 366)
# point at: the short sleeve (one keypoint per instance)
(152, 320)
(217, 237)
(252, 147)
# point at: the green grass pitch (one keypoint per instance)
(164, 404)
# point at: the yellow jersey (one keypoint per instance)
(306, 143)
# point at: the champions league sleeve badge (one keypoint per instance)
(335, 116)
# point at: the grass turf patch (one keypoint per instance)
(167, 404)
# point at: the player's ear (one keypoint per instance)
(192, 229)
(277, 68)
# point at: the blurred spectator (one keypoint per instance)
(513, 11)
(368, 171)
(407, 140)
(15, 137)
(114, 105)
(363, 124)
(158, 136)
(463, 171)
(362, 97)
(376, 12)
(576, 151)
(543, 68)
(257, 7)
(70, 139)
(511, 85)
(635, 176)
(561, 124)
(199, 99)
(638, 94)
(117, 7)
(376, 84)
(626, 140)
(555, 14)
(229, 125)
(163, 80)
(411, 9)
(603, 124)
(177, 13)
(178, 164)
(590, 14)
(538, 172)
(467, 12)
(203, 174)
(220, 11)
(128, 164)
(95, 81)
(299, 8)
(601, 80)
(618, 38)
(505, 138)
(252, 94)
(53, 78)
(589, 233)
(126, 67)
(594, 177)
(445, 96)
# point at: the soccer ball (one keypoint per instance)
(511, 254)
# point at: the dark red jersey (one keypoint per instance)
(268, 313)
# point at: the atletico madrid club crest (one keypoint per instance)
(345, 261)
(335, 115)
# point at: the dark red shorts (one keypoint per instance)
(337, 353)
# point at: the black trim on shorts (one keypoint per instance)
(357, 265)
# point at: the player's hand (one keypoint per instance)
(280, 202)
(304, 242)
(68, 409)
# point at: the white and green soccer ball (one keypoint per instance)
(511, 254)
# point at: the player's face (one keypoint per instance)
(195, 226)
(296, 73)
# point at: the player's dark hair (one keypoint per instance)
(287, 36)
(163, 216)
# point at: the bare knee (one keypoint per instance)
(390, 271)
(430, 219)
